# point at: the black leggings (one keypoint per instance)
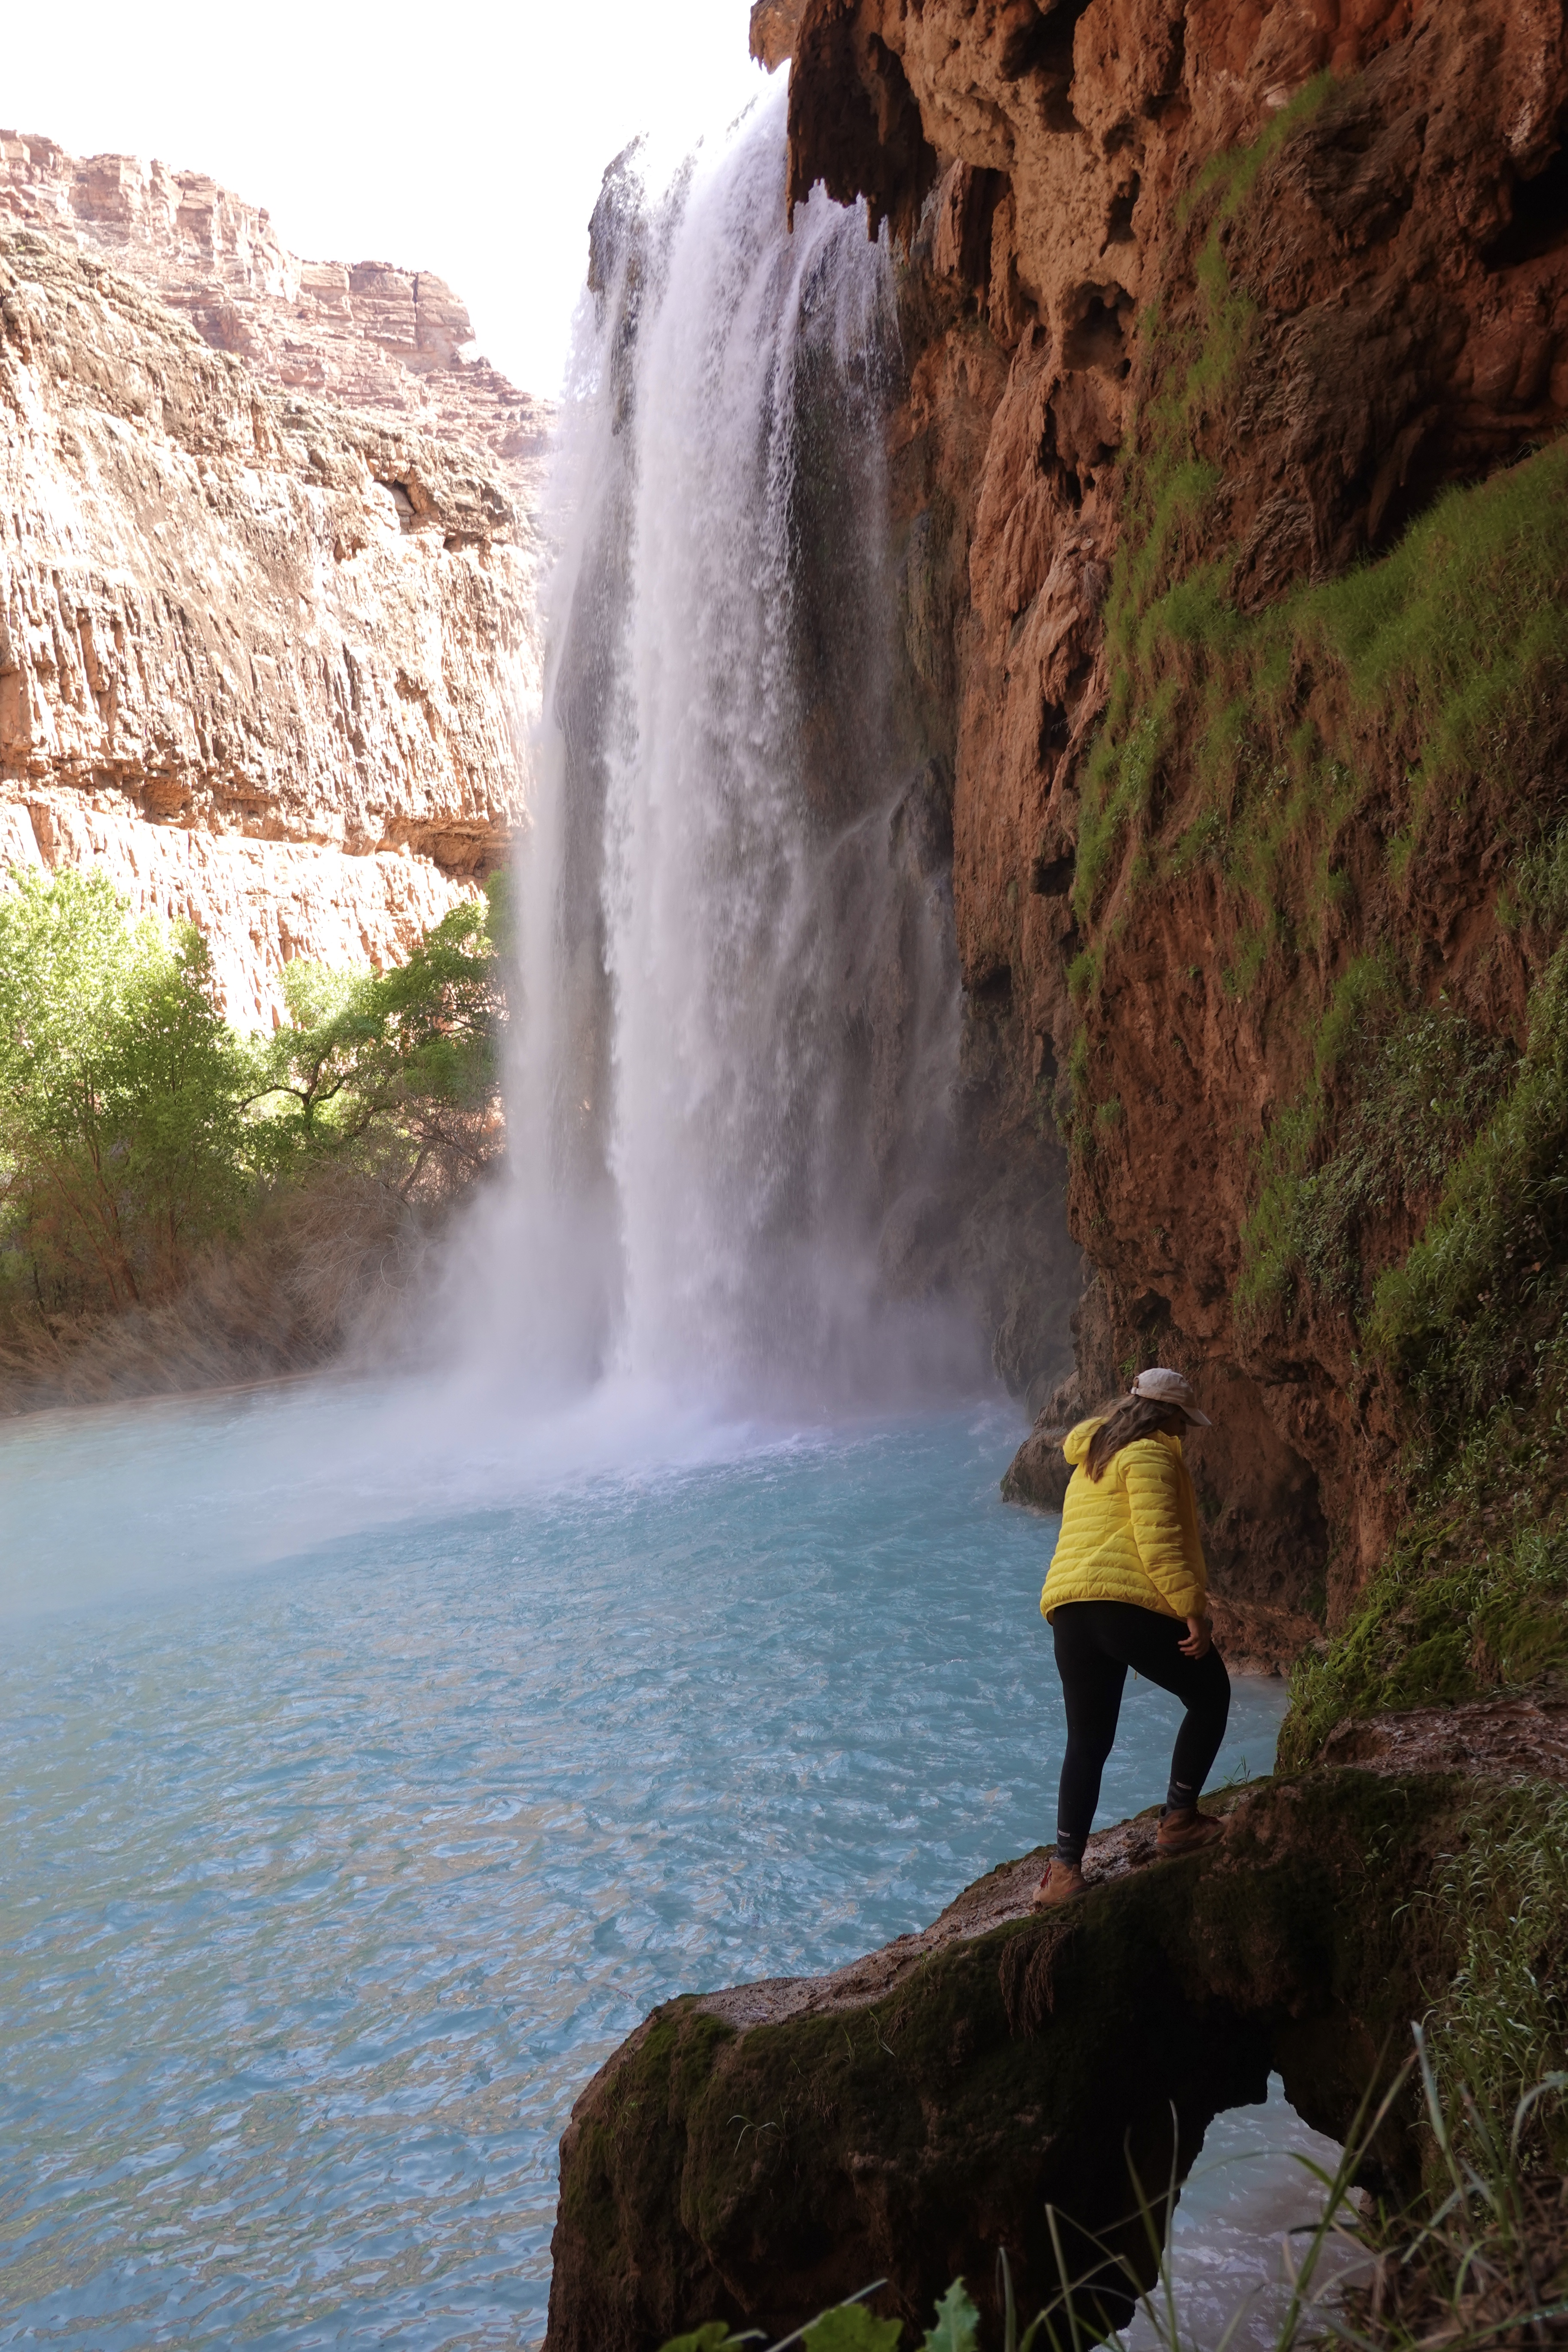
(1096, 1641)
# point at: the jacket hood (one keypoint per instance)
(1076, 1444)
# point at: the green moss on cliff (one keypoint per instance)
(1259, 718)
(1470, 1327)
(1473, 1596)
(1418, 1084)
(1499, 2024)
(1434, 1626)
(1480, 1297)
(1238, 738)
(1334, 767)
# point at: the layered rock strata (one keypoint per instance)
(1314, 254)
(363, 332)
(266, 657)
(755, 2154)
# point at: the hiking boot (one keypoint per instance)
(1061, 1882)
(1185, 1832)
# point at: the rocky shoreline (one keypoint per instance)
(755, 2154)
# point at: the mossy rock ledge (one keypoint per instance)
(755, 2154)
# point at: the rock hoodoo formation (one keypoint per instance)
(267, 576)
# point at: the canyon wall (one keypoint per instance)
(1204, 306)
(268, 563)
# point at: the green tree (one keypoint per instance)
(396, 1071)
(120, 1093)
(135, 1126)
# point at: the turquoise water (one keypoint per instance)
(372, 1765)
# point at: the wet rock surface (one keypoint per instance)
(1039, 1471)
(756, 2153)
(1520, 1736)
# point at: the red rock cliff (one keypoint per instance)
(1204, 304)
(266, 570)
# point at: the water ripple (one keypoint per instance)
(330, 1877)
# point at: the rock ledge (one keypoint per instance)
(756, 2153)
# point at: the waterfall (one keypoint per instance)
(730, 1107)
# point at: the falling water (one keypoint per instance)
(740, 1020)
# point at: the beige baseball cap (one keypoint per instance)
(1161, 1386)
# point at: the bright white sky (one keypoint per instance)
(468, 137)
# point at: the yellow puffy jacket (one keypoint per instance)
(1132, 1534)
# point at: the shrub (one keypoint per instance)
(136, 1127)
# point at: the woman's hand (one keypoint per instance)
(1200, 1638)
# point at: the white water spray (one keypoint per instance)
(739, 1025)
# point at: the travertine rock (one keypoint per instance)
(267, 658)
(774, 23)
(753, 2154)
(1405, 275)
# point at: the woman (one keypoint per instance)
(1127, 1587)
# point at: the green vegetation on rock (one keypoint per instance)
(1498, 2030)
(1473, 1597)
(1470, 1328)
(850, 2328)
(1342, 1911)
(1320, 761)
(137, 1128)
